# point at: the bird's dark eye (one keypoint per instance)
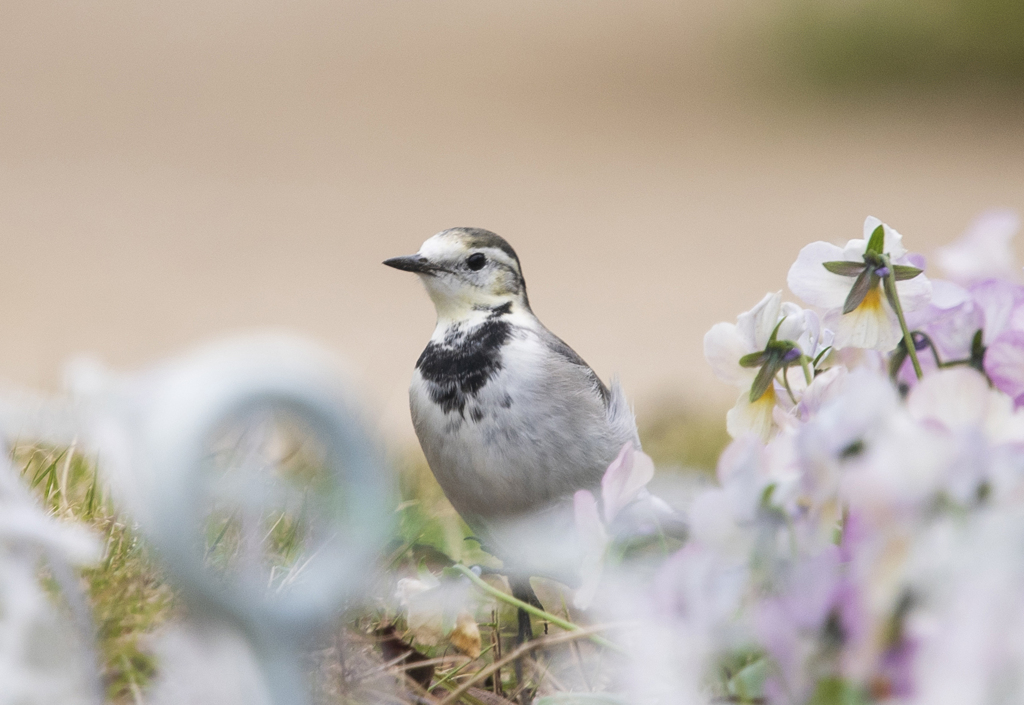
(476, 261)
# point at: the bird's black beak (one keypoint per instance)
(412, 263)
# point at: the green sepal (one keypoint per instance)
(844, 268)
(764, 378)
(876, 243)
(978, 353)
(977, 346)
(864, 283)
(902, 272)
(747, 684)
(896, 360)
(754, 359)
(821, 356)
(835, 691)
(775, 332)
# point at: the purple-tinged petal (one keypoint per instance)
(998, 300)
(625, 477)
(1004, 364)
(984, 251)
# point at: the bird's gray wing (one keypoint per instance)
(560, 347)
(619, 417)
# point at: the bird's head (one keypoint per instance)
(466, 270)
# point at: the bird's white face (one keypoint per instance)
(466, 270)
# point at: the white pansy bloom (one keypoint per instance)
(873, 323)
(727, 343)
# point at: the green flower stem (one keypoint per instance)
(908, 339)
(785, 383)
(526, 607)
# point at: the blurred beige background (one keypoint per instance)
(171, 171)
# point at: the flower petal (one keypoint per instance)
(872, 325)
(756, 325)
(1004, 364)
(752, 418)
(817, 286)
(625, 477)
(984, 251)
(914, 293)
(956, 398)
(893, 240)
(998, 300)
(723, 348)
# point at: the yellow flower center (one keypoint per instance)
(872, 300)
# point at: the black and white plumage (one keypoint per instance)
(512, 421)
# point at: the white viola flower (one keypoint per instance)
(863, 287)
(984, 251)
(764, 341)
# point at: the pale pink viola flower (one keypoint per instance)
(624, 484)
(984, 251)
(676, 623)
(1002, 306)
(950, 320)
(791, 623)
(1004, 364)
(625, 480)
(852, 283)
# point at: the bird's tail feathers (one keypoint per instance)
(620, 414)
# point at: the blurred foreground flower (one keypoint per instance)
(984, 251)
(623, 486)
(42, 659)
(436, 611)
(864, 544)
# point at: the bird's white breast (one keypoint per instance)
(534, 433)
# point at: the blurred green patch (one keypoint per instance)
(678, 436)
(904, 43)
(430, 531)
(128, 595)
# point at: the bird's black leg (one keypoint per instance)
(522, 590)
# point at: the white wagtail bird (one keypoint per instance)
(512, 421)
